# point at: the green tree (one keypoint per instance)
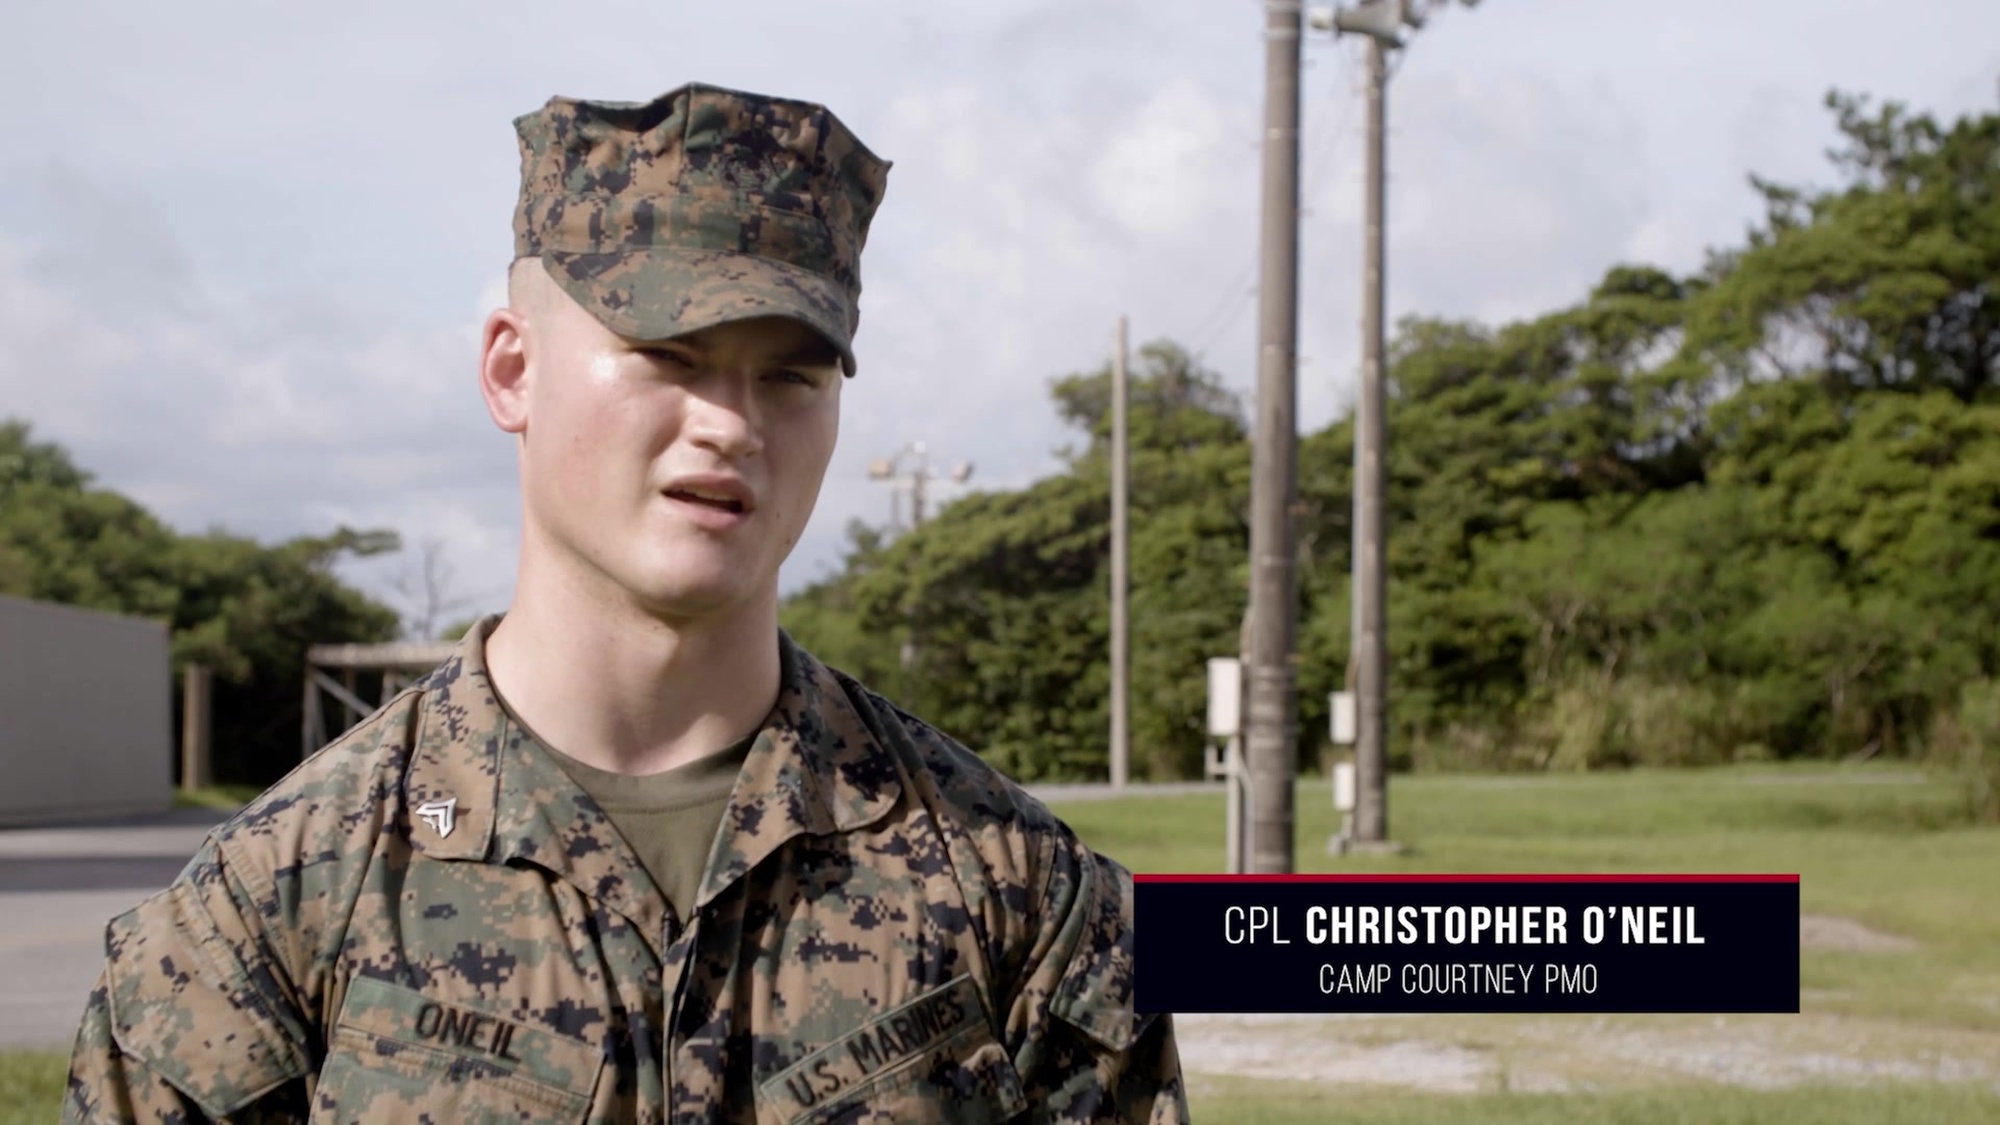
(246, 610)
(1750, 511)
(1882, 283)
(1001, 599)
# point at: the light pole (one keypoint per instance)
(910, 468)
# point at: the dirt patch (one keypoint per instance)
(1294, 1048)
(1472, 1054)
(1845, 935)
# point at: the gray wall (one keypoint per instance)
(86, 714)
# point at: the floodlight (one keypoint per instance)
(1377, 19)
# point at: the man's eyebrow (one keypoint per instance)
(642, 344)
(820, 354)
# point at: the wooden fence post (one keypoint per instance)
(196, 771)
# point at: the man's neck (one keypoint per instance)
(627, 692)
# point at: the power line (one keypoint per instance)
(1235, 297)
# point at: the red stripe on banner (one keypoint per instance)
(1382, 877)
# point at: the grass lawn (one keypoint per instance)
(1879, 846)
(1275, 1103)
(31, 1086)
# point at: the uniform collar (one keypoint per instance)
(817, 767)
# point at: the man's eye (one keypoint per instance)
(798, 377)
(667, 356)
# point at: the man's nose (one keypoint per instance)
(722, 416)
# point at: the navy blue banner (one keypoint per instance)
(1467, 943)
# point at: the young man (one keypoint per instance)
(631, 855)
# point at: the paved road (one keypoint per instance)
(58, 886)
(1098, 791)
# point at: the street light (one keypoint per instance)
(917, 476)
(1381, 20)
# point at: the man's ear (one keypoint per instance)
(503, 368)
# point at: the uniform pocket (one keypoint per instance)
(183, 1003)
(398, 1055)
(932, 1060)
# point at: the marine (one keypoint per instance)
(632, 854)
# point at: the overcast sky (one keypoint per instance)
(245, 247)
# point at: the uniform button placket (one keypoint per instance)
(678, 943)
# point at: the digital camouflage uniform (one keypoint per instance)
(429, 921)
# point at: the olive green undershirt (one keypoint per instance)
(669, 819)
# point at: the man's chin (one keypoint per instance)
(684, 596)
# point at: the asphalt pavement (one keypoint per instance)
(58, 887)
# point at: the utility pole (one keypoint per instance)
(1121, 668)
(1369, 590)
(1383, 22)
(1269, 742)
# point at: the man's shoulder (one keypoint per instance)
(334, 802)
(1004, 839)
(953, 779)
(1050, 885)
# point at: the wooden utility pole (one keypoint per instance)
(196, 726)
(1121, 669)
(1384, 23)
(1272, 706)
(1371, 759)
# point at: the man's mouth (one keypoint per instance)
(712, 500)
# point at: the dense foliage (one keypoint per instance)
(1750, 512)
(245, 610)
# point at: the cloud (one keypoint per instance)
(1510, 193)
(1158, 176)
(246, 287)
(996, 267)
(266, 413)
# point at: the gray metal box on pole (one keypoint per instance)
(1225, 722)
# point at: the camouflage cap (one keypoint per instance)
(700, 207)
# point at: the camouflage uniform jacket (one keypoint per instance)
(428, 921)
